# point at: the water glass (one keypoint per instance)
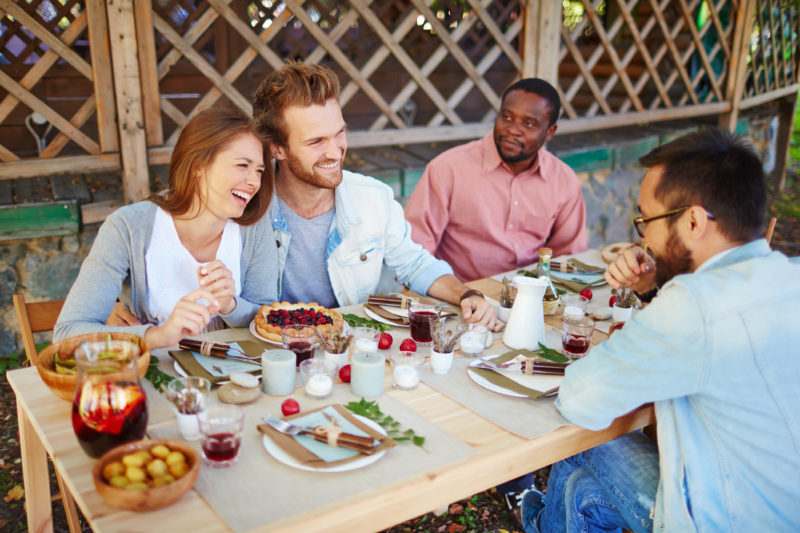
(421, 318)
(576, 335)
(365, 339)
(302, 340)
(221, 434)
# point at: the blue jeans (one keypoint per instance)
(604, 489)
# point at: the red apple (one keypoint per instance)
(386, 341)
(408, 345)
(290, 407)
(344, 373)
(587, 293)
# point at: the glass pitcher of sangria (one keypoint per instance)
(110, 406)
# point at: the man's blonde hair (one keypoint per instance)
(294, 84)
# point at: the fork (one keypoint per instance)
(322, 434)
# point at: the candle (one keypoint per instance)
(319, 386)
(405, 377)
(366, 374)
(278, 372)
(472, 343)
(366, 345)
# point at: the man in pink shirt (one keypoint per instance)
(488, 206)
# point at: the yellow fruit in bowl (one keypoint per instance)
(113, 469)
(160, 451)
(118, 481)
(138, 486)
(135, 474)
(175, 458)
(133, 460)
(178, 469)
(157, 468)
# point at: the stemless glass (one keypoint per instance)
(420, 320)
(302, 340)
(221, 432)
(110, 406)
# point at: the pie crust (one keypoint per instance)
(272, 332)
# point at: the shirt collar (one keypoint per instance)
(491, 158)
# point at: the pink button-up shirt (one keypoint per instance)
(472, 211)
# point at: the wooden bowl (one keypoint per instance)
(63, 385)
(154, 497)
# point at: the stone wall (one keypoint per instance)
(606, 163)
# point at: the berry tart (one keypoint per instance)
(271, 318)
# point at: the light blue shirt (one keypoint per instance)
(305, 277)
(718, 352)
(368, 231)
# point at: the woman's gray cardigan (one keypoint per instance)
(116, 261)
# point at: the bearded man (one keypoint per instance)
(487, 206)
(336, 229)
(717, 351)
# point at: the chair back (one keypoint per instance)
(35, 318)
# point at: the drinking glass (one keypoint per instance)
(576, 335)
(473, 339)
(302, 340)
(420, 318)
(110, 406)
(221, 433)
(365, 339)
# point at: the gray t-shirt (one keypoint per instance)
(305, 274)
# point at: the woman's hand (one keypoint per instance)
(633, 268)
(188, 318)
(218, 280)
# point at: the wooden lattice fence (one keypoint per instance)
(113, 82)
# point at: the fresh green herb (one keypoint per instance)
(392, 426)
(355, 321)
(156, 376)
(551, 354)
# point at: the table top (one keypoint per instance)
(499, 456)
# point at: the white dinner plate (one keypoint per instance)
(539, 382)
(255, 334)
(281, 456)
(379, 318)
(179, 370)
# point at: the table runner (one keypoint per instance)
(259, 490)
(521, 416)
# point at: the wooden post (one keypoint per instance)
(737, 74)
(541, 39)
(127, 88)
(783, 142)
(147, 67)
(101, 70)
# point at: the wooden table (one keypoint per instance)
(45, 429)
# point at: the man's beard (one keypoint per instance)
(521, 156)
(308, 176)
(676, 259)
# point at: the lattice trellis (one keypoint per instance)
(773, 47)
(637, 55)
(41, 40)
(401, 64)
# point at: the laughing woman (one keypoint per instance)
(192, 259)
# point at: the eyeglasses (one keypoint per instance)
(640, 223)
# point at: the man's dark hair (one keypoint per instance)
(543, 89)
(718, 171)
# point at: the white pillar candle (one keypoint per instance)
(366, 374)
(278, 372)
(319, 386)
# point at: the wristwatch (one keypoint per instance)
(647, 296)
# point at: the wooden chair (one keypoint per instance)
(771, 229)
(35, 318)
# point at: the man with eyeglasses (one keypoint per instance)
(717, 351)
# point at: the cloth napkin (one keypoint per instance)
(308, 451)
(576, 281)
(550, 383)
(198, 365)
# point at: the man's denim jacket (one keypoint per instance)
(368, 231)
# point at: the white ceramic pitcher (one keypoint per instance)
(525, 327)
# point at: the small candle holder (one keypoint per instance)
(474, 338)
(405, 369)
(318, 376)
(188, 397)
